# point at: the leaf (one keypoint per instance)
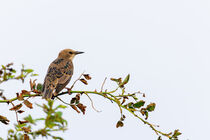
(139, 104)
(144, 112)
(4, 120)
(25, 92)
(28, 104)
(19, 96)
(39, 87)
(26, 137)
(119, 80)
(32, 84)
(34, 74)
(87, 76)
(151, 107)
(125, 81)
(22, 122)
(26, 129)
(176, 133)
(75, 108)
(119, 124)
(60, 106)
(17, 107)
(81, 107)
(28, 70)
(83, 81)
(29, 119)
(159, 138)
(20, 111)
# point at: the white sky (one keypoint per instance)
(163, 44)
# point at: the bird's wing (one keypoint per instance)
(67, 70)
(58, 75)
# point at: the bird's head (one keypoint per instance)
(68, 54)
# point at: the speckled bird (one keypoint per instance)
(59, 73)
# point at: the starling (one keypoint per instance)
(59, 73)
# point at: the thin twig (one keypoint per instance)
(62, 101)
(92, 103)
(15, 113)
(69, 89)
(102, 86)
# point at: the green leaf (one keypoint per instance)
(59, 114)
(139, 104)
(4, 68)
(29, 119)
(39, 87)
(125, 81)
(28, 70)
(34, 74)
(60, 106)
(13, 71)
(151, 107)
(57, 138)
(176, 133)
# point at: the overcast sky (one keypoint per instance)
(163, 44)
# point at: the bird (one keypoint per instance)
(59, 73)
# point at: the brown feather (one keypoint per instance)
(59, 74)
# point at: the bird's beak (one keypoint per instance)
(77, 52)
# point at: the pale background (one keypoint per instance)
(163, 44)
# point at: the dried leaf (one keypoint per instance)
(119, 80)
(26, 137)
(28, 104)
(4, 120)
(25, 92)
(83, 81)
(22, 122)
(119, 124)
(87, 76)
(75, 108)
(19, 96)
(10, 64)
(20, 111)
(81, 107)
(26, 129)
(32, 84)
(17, 107)
(151, 107)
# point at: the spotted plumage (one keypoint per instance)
(59, 73)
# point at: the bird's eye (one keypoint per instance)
(70, 52)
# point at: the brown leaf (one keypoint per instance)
(10, 64)
(4, 120)
(83, 81)
(26, 137)
(21, 122)
(25, 92)
(78, 97)
(81, 107)
(26, 129)
(20, 111)
(28, 104)
(119, 124)
(87, 76)
(32, 84)
(75, 108)
(19, 96)
(17, 107)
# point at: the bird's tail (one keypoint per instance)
(47, 92)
